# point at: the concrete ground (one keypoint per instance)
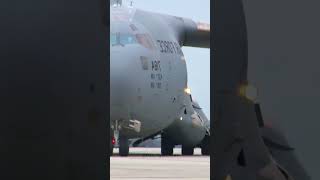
(147, 164)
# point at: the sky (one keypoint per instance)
(198, 59)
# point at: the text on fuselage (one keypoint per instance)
(169, 47)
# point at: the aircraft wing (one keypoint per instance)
(196, 34)
(189, 32)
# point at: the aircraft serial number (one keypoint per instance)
(169, 47)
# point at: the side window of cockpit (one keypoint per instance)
(113, 39)
(127, 39)
(122, 39)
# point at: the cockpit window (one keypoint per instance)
(113, 39)
(128, 39)
(122, 39)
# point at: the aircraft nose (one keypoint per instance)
(121, 77)
(127, 76)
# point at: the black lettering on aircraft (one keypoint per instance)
(179, 51)
(173, 47)
(156, 75)
(156, 81)
(169, 47)
(156, 66)
(159, 85)
(161, 46)
(159, 76)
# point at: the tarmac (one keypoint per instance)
(147, 164)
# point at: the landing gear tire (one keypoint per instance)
(187, 151)
(205, 147)
(111, 146)
(123, 146)
(111, 149)
(166, 146)
(205, 150)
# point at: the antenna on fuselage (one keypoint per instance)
(116, 2)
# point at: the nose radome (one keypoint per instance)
(126, 74)
(122, 74)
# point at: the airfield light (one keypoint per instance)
(249, 91)
(187, 90)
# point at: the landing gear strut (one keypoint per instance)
(112, 143)
(119, 140)
(187, 151)
(166, 146)
(205, 146)
(123, 146)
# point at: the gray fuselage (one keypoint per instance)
(148, 78)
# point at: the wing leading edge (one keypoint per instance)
(196, 34)
(189, 32)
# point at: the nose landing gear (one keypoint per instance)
(123, 146)
(119, 139)
(112, 143)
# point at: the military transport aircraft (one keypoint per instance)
(149, 92)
